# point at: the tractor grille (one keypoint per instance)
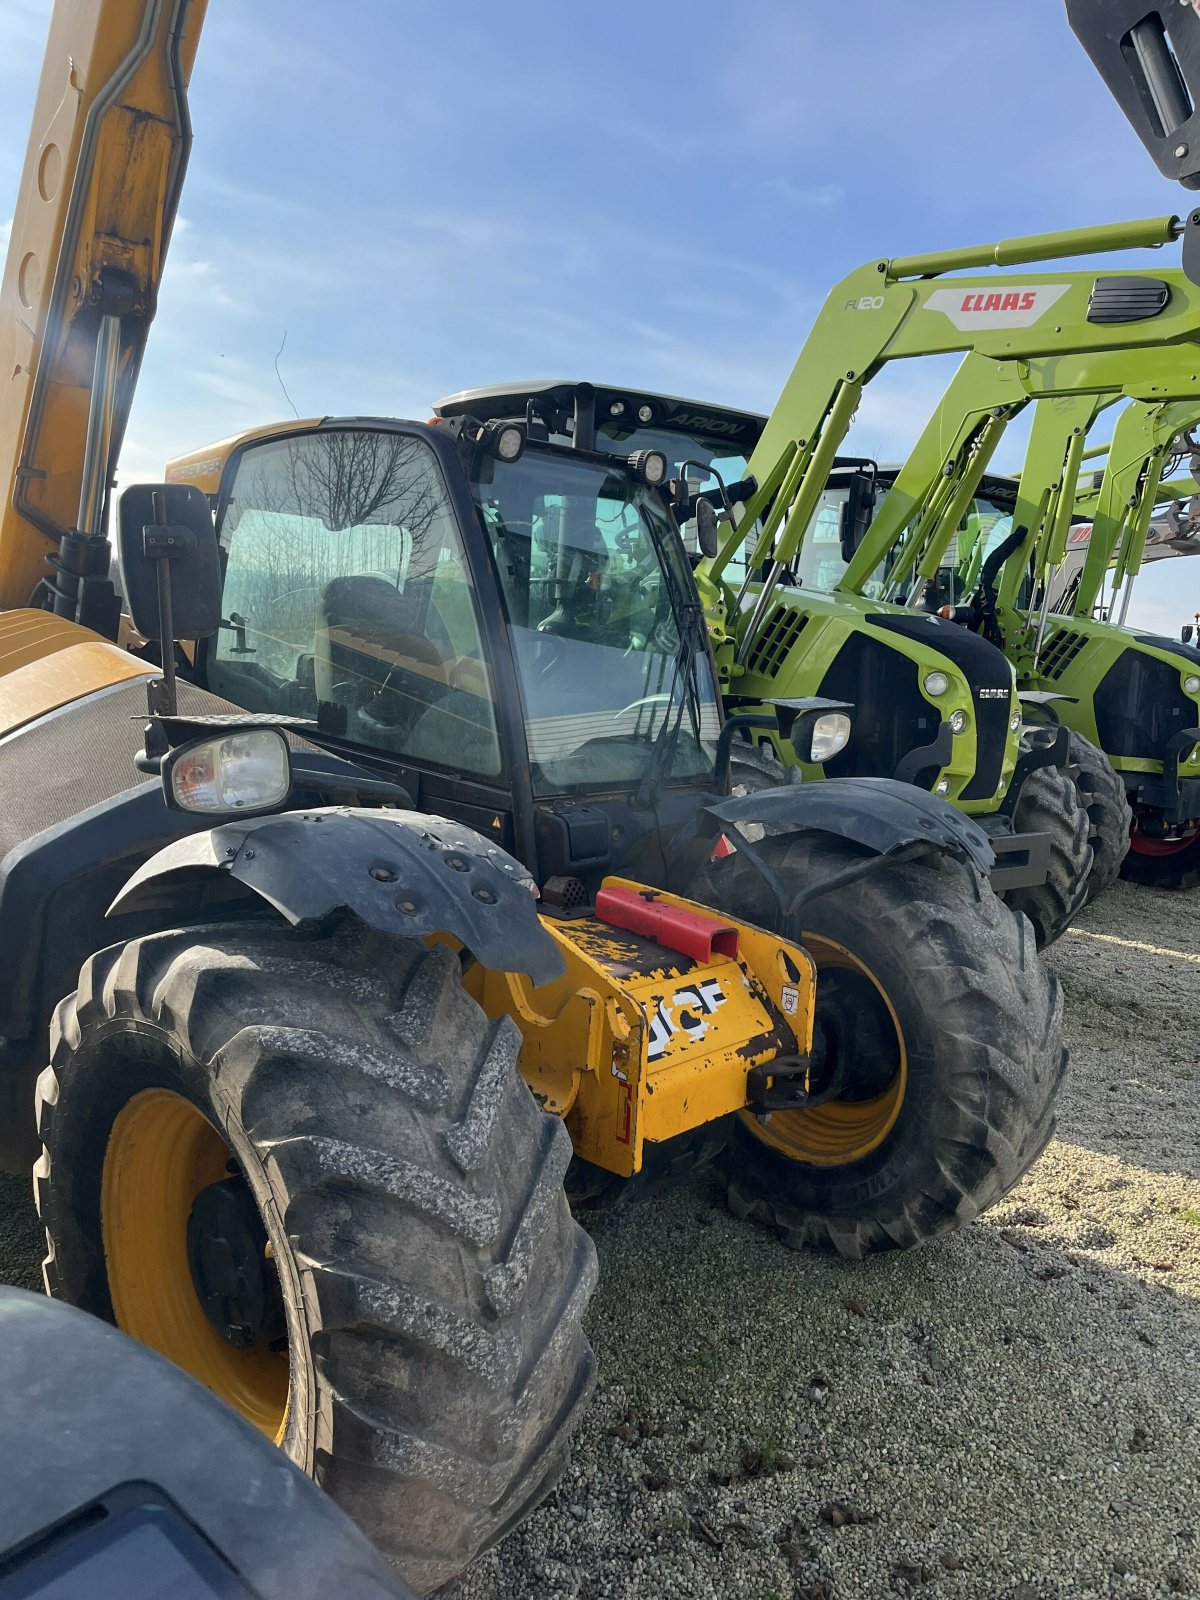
(1140, 703)
(891, 715)
(990, 678)
(1060, 649)
(774, 644)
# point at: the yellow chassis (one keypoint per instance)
(637, 1042)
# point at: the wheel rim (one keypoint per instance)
(162, 1152)
(1144, 844)
(850, 1127)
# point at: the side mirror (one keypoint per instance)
(706, 528)
(1185, 636)
(857, 512)
(170, 525)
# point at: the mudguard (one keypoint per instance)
(877, 813)
(401, 872)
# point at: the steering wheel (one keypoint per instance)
(646, 700)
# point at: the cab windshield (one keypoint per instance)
(597, 592)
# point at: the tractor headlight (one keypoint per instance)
(830, 734)
(249, 770)
(817, 733)
(958, 721)
(942, 786)
(935, 683)
(1192, 684)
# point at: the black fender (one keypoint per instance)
(877, 813)
(400, 872)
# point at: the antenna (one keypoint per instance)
(279, 375)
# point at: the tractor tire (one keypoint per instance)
(1050, 803)
(1163, 863)
(1102, 795)
(753, 767)
(931, 997)
(226, 1097)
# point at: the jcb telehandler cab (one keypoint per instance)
(932, 706)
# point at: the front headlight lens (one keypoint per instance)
(1014, 721)
(958, 721)
(935, 683)
(942, 786)
(831, 733)
(1192, 684)
(247, 771)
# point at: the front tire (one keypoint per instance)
(1049, 803)
(932, 990)
(418, 1347)
(1103, 797)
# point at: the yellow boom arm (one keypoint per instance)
(96, 204)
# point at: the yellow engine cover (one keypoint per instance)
(639, 1042)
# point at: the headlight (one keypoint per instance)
(935, 683)
(245, 771)
(958, 721)
(1192, 684)
(1014, 721)
(942, 786)
(830, 734)
(645, 414)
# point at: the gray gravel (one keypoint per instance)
(1011, 1413)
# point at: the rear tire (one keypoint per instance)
(432, 1278)
(1049, 803)
(1102, 795)
(976, 1052)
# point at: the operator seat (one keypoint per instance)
(370, 634)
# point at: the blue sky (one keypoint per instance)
(425, 197)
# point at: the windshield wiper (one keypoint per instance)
(692, 640)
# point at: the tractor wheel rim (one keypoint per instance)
(162, 1152)
(843, 1130)
(1143, 844)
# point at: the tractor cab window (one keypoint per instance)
(347, 593)
(819, 563)
(594, 581)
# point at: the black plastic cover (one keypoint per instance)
(877, 813)
(1127, 299)
(401, 872)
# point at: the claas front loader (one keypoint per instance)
(1133, 695)
(401, 771)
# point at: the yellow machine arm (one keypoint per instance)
(97, 201)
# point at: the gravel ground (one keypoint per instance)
(1010, 1414)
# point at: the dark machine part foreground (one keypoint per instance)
(123, 1479)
